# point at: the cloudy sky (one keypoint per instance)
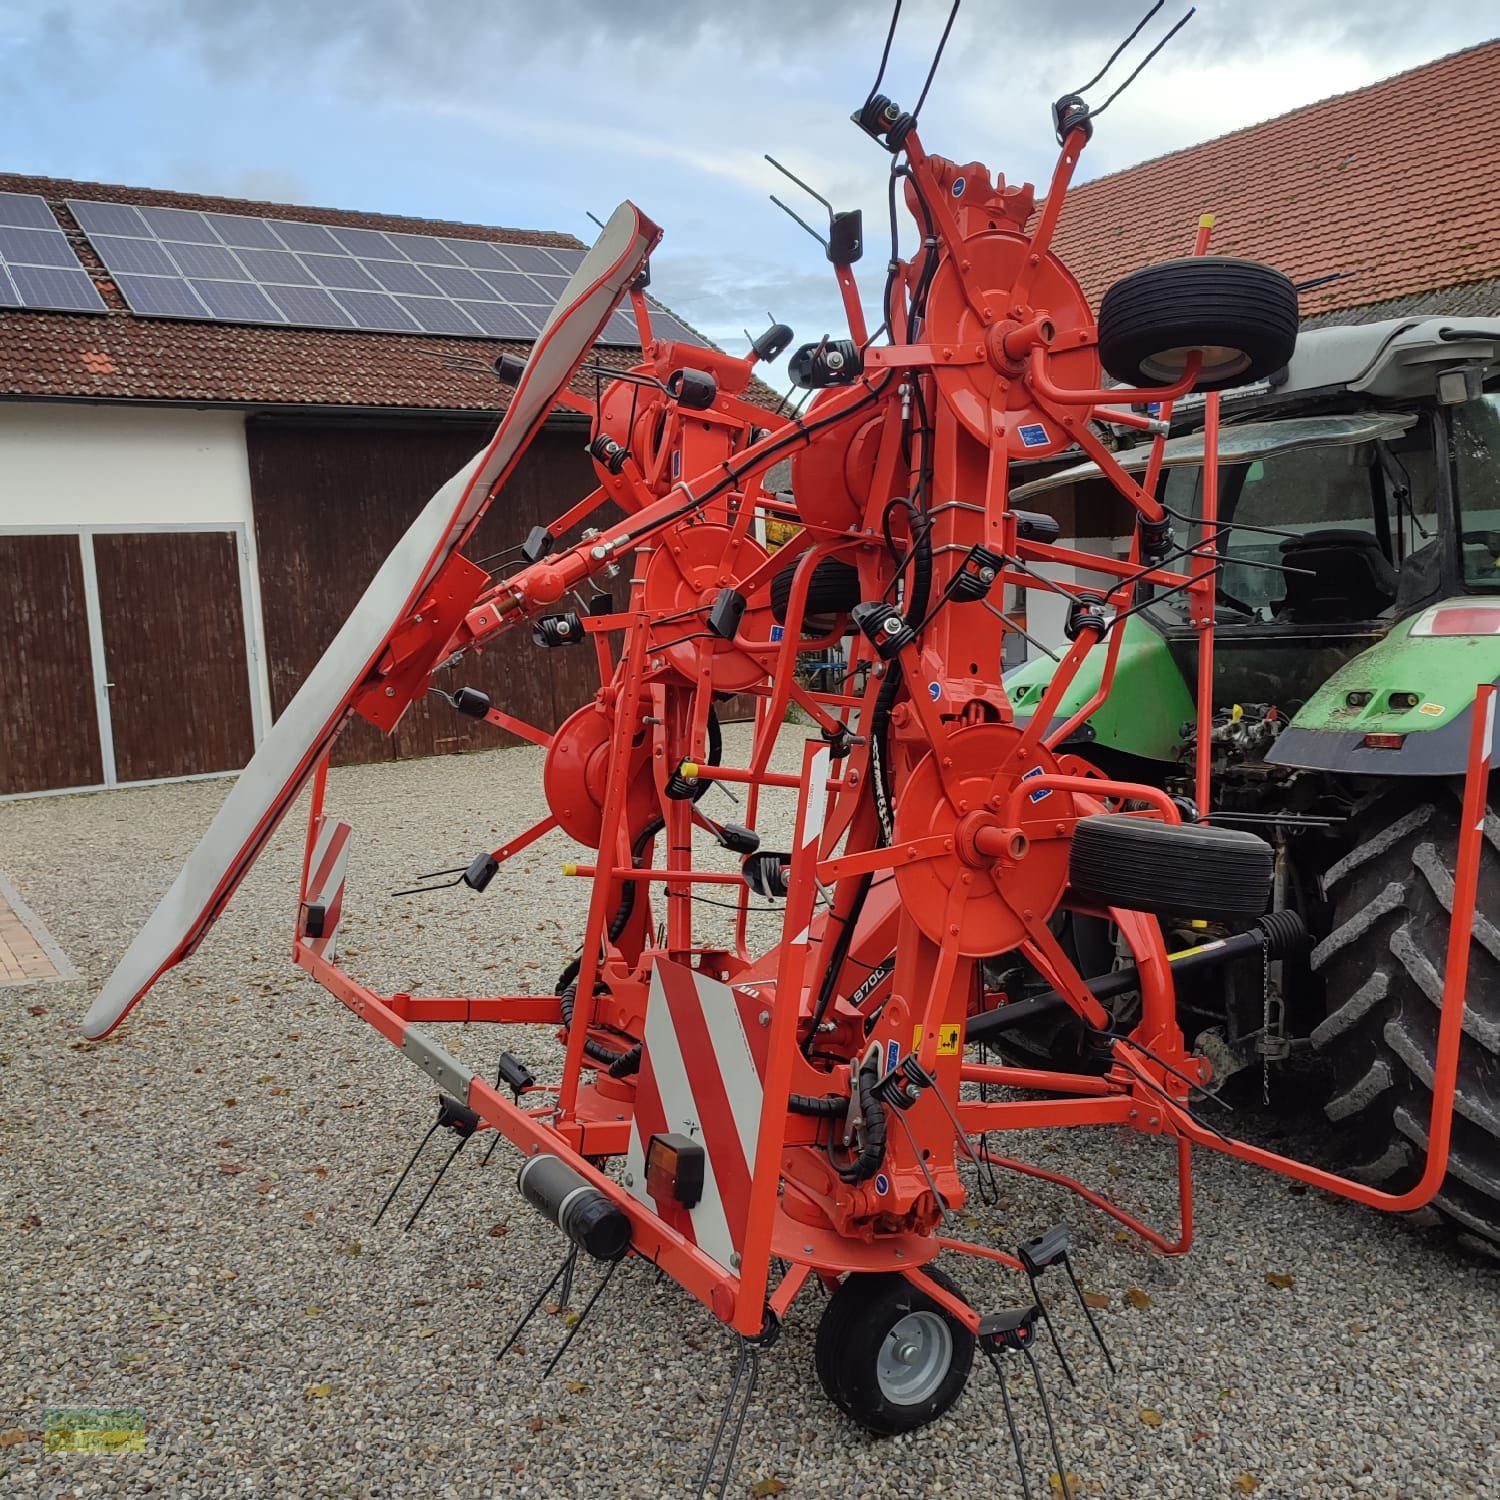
(514, 112)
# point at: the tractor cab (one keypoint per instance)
(1355, 494)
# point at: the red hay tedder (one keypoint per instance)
(747, 1119)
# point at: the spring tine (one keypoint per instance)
(432, 1188)
(1088, 1313)
(541, 1296)
(402, 1178)
(582, 1318)
(1041, 1390)
(747, 1361)
(1036, 1297)
(1010, 1422)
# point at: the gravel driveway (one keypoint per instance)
(186, 1216)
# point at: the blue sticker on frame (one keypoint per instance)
(1034, 435)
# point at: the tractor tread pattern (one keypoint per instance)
(1393, 899)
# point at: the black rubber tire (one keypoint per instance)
(856, 1323)
(1171, 869)
(1383, 961)
(1241, 313)
(833, 590)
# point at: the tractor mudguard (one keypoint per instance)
(1148, 702)
(1415, 688)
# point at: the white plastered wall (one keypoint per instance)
(71, 465)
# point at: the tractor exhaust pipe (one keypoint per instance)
(1278, 934)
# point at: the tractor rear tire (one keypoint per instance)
(1383, 963)
(889, 1357)
(1241, 314)
(1170, 869)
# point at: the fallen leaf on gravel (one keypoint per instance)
(229, 1103)
(225, 1144)
(1138, 1299)
(318, 1171)
(264, 1185)
(37, 1010)
(572, 1319)
(763, 1487)
(353, 1248)
(313, 1312)
(11, 1436)
(1150, 1416)
(1122, 1237)
(1279, 1279)
(309, 1217)
(1200, 1436)
(496, 1230)
(536, 1424)
(280, 1093)
(1111, 1170)
(266, 1078)
(426, 1333)
(576, 1388)
(1064, 1486)
(230, 1168)
(1096, 1299)
(318, 1392)
(474, 1285)
(1246, 1484)
(32, 1221)
(553, 1308)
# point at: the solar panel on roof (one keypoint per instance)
(160, 297)
(39, 269)
(37, 247)
(133, 257)
(181, 263)
(25, 211)
(243, 233)
(207, 260)
(237, 301)
(402, 276)
(314, 237)
(502, 321)
(57, 290)
(378, 312)
(179, 224)
(107, 218)
(309, 307)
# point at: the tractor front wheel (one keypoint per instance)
(1383, 963)
(890, 1357)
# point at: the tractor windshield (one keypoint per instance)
(1476, 455)
(1320, 533)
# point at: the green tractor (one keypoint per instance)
(1358, 605)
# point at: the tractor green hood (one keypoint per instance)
(1147, 704)
(1415, 688)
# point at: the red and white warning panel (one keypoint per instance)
(697, 1113)
(323, 897)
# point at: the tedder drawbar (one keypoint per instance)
(750, 1118)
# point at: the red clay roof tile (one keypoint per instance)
(1391, 185)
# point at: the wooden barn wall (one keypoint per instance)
(332, 498)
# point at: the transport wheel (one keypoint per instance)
(1240, 314)
(888, 1356)
(1171, 869)
(1383, 964)
(832, 591)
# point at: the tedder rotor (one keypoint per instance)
(750, 1118)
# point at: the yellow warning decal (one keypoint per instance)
(948, 1040)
